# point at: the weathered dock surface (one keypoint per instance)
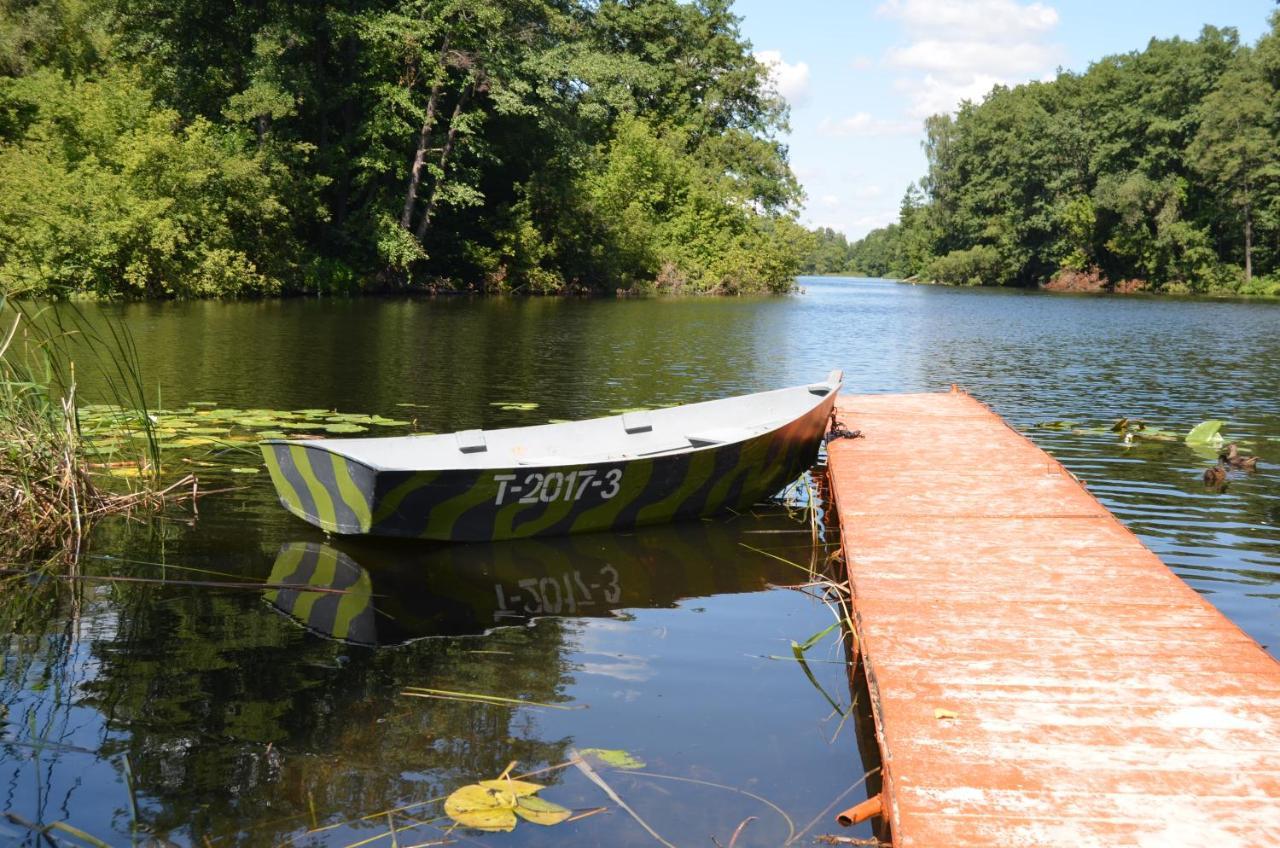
(1097, 699)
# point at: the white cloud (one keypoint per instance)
(987, 20)
(861, 63)
(931, 95)
(959, 49)
(973, 57)
(790, 81)
(865, 124)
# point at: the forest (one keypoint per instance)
(1156, 170)
(191, 148)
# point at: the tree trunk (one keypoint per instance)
(1248, 245)
(424, 137)
(425, 223)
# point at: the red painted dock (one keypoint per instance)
(1097, 699)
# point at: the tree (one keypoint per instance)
(1236, 146)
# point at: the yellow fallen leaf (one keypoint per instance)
(538, 811)
(493, 821)
(475, 798)
(938, 712)
(518, 788)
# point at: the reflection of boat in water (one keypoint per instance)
(394, 591)
(612, 473)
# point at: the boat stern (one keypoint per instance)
(321, 487)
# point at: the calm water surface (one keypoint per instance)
(252, 717)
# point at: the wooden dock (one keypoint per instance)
(1036, 675)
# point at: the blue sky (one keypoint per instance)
(861, 74)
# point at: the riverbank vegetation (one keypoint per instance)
(58, 474)
(188, 148)
(1153, 170)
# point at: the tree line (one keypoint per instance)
(161, 148)
(1156, 170)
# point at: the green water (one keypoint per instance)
(244, 720)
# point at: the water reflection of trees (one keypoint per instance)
(237, 721)
(237, 718)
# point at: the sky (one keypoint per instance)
(861, 75)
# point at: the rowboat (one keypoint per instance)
(610, 473)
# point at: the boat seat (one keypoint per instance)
(718, 436)
(637, 422)
(471, 441)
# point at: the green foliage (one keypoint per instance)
(1158, 168)
(192, 148)
(979, 265)
(105, 193)
(669, 217)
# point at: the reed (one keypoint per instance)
(53, 486)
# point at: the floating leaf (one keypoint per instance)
(202, 403)
(193, 442)
(388, 422)
(1206, 432)
(1055, 425)
(272, 434)
(538, 811)
(501, 820)
(482, 808)
(518, 788)
(345, 428)
(416, 405)
(513, 406)
(349, 419)
(614, 757)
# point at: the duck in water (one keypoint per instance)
(1230, 455)
(1216, 477)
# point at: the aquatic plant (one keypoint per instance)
(49, 486)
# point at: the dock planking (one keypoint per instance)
(1097, 699)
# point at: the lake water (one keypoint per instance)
(241, 717)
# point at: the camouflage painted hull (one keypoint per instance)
(342, 495)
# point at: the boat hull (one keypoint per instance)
(341, 495)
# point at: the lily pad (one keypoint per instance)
(345, 428)
(534, 809)
(388, 422)
(614, 757)
(518, 788)
(482, 808)
(514, 406)
(273, 434)
(1206, 432)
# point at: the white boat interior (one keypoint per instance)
(655, 432)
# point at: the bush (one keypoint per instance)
(104, 192)
(978, 266)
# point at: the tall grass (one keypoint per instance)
(51, 482)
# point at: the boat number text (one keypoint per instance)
(555, 486)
